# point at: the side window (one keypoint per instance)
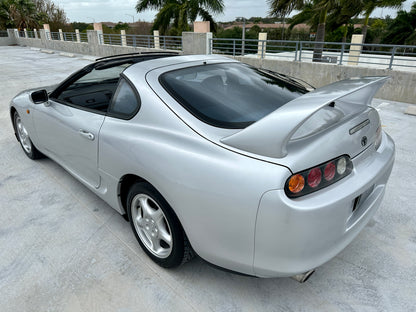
(94, 90)
(125, 103)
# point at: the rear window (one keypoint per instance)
(229, 95)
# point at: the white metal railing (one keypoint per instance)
(144, 41)
(341, 53)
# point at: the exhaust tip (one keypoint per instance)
(303, 277)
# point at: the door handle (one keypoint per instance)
(86, 134)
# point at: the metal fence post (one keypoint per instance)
(242, 47)
(296, 52)
(300, 51)
(233, 47)
(392, 57)
(342, 53)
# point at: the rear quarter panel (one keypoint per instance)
(214, 192)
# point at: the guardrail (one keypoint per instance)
(67, 36)
(340, 53)
(32, 34)
(144, 41)
(3, 33)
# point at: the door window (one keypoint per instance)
(94, 90)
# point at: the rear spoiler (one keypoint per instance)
(269, 136)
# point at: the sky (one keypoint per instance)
(115, 10)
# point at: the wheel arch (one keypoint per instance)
(124, 184)
(13, 110)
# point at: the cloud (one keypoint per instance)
(115, 11)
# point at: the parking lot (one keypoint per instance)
(64, 249)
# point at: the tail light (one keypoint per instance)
(318, 177)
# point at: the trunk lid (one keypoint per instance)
(316, 127)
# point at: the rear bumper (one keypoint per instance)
(296, 235)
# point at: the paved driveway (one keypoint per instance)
(64, 249)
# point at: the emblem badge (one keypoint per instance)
(364, 141)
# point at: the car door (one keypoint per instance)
(68, 125)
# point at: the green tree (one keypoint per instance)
(368, 6)
(31, 14)
(402, 29)
(121, 26)
(18, 13)
(340, 18)
(312, 12)
(180, 12)
(81, 26)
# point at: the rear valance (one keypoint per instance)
(269, 136)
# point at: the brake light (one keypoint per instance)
(318, 177)
(314, 177)
(329, 171)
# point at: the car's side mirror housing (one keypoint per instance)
(39, 97)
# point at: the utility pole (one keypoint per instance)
(244, 35)
(132, 16)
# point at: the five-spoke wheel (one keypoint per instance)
(151, 225)
(156, 226)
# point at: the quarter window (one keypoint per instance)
(125, 103)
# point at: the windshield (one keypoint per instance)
(229, 95)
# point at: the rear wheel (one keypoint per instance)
(156, 227)
(23, 136)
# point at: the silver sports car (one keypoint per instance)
(254, 171)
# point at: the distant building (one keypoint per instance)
(305, 27)
(277, 25)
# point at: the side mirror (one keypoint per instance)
(39, 97)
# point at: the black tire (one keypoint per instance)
(148, 227)
(28, 147)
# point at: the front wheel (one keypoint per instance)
(156, 227)
(23, 136)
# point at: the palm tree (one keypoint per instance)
(315, 10)
(18, 13)
(402, 30)
(323, 6)
(370, 5)
(23, 13)
(342, 15)
(180, 12)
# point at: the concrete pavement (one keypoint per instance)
(63, 249)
